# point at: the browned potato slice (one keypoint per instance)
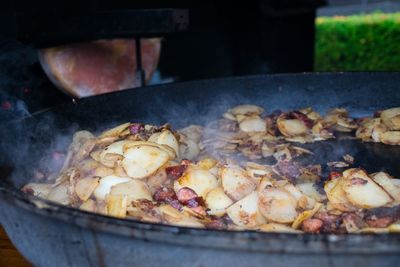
(391, 118)
(253, 124)
(114, 131)
(174, 217)
(277, 205)
(278, 228)
(39, 190)
(235, 182)
(166, 137)
(246, 110)
(116, 205)
(105, 185)
(143, 161)
(103, 171)
(170, 151)
(336, 195)
(84, 187)
(309, 190)
(113, 153)
(207, 163)
(194, 132)
(89, 205)
(362, 191)
(364, 131)
(377, 132)
(391, 138)
(291, 127)
(60, 194)
(245, 212)
(199, 180)
(389, 185)
(305, 215)
(217, 201)
(134, 190)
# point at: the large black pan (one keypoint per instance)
(51, 235)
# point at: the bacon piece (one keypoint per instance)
(174, 172)
(185, 195)
(331, 223)
(382, 217)
(195, 202)
(302, 117)
(167, 195)
(312, 225)
(136, 128)
(289, 169)
(334, 175)
(216, 223)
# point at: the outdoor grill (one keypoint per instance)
(34, 113)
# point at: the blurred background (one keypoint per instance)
(86, 48)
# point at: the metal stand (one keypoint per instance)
(140, 72)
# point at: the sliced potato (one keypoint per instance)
(277, 228)
(235, 182)
(245, 212)
(390, 138)
(362, 191)
(84, 187)
(60, 194)
(166, 137)
(175, 217)
(391, 118)
(246, 110)
(38, 189)
(388, 184)
(89, 205)
(305, 215)
(217, 201)
(169, 150)
(116, 205)
(199, 180)
(309, 190)
(114, 131)
(336, 195)
(303, 201)
(207, 163)
(113, 153)
(143, 161)
(277, 205)
(103, 171)
(188, 148)
(253, 124)
(105, 185)
(134, 190)
(292, 127)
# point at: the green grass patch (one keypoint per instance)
(358, 43)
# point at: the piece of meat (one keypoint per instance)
(174, 172)
(330, 223)
(302, 117)
(312, 225)
(353, 222)
(185, 195)
(98, 67)
(167, 195)
(289, 169)
(382, 217)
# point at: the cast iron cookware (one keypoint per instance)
(48, 234)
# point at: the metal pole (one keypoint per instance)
(140, 73)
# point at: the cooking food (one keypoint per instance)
(214, 176)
